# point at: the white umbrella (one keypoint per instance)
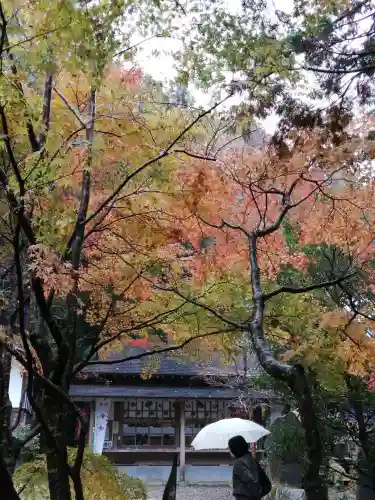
(216, 436)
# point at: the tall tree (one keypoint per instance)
(238, 208)
(85, 223)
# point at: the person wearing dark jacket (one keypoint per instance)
(246, 480)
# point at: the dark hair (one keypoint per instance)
(238, 446)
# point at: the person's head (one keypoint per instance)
(238, 446)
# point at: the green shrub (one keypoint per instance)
(32, 448)
(101, 480)
(286, 443)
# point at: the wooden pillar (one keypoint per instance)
(91, 425)
(182, 441)
(177, 412)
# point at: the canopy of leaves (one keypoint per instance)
(326, 236)
(273, 55)
(336, 40)
(127, 232)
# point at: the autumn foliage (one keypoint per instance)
(125, 232)
(326, 197)
(184, 227)
(120, 225)
(245, 193)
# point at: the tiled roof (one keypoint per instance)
(108, 390)
(179, 366)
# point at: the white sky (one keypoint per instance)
(155, 57)
(161, 68)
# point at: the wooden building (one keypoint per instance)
(140, 423)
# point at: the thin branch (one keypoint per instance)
(354, 309)
(180, 7)
(69, 106)
(360, 69)
(236, 227)
(206, 307)
(31, 38)
(240, 136)
(128, 49)
(153, 160)
(307, 288)
(223, 224)
(57, 152)
(276, 225)
(146, 324)
(194, 155)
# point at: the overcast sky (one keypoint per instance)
(161, 66)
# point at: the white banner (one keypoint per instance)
(101, 418)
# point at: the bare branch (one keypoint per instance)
(276, 225)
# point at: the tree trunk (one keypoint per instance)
(295, 378)
(292, 375)
(312, 480)
(8, 491)
(57, 459)
(366, 481)
(58, 477)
